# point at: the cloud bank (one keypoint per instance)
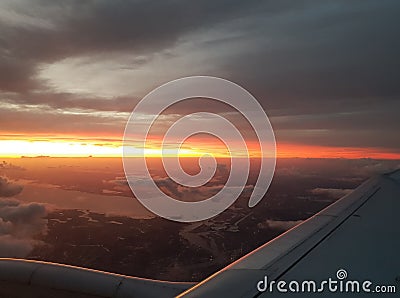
(326, 73)
(281, 225)
(8, 189)
(20, 223)
(334, 193)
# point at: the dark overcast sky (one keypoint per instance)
(326, 72)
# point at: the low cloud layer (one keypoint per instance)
(20, 223)
(334, 193)
(8, 189)
(336, 169)
(281, 225)
(9, 166)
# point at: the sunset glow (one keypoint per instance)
(17, 148)
(77, 148)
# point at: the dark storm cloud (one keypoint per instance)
(325, 52)
(95, 27)
(305, 46)
(46, 122)
(326, 71)
(373, 126)
(16, 75)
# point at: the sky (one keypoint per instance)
(326, 73)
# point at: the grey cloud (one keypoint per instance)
(9, 166)
(334, 193)
(8, 189)
(102, 27)
(170, 187)
(206, 191)
(379, 139)
(145, 26)
(382, 117)
(336, 169)
(16, 75)
(312, 60)
(14, 247)
(119, 185)
(57, 100)
(281, 225)
(324, 52)
(39, 122)
(20, 222)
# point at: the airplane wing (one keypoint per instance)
(357, 236)
(354, 239)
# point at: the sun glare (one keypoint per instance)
(18, 148)
(71, 148)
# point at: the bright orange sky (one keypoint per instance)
(79, 148)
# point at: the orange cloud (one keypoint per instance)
(314, 151)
